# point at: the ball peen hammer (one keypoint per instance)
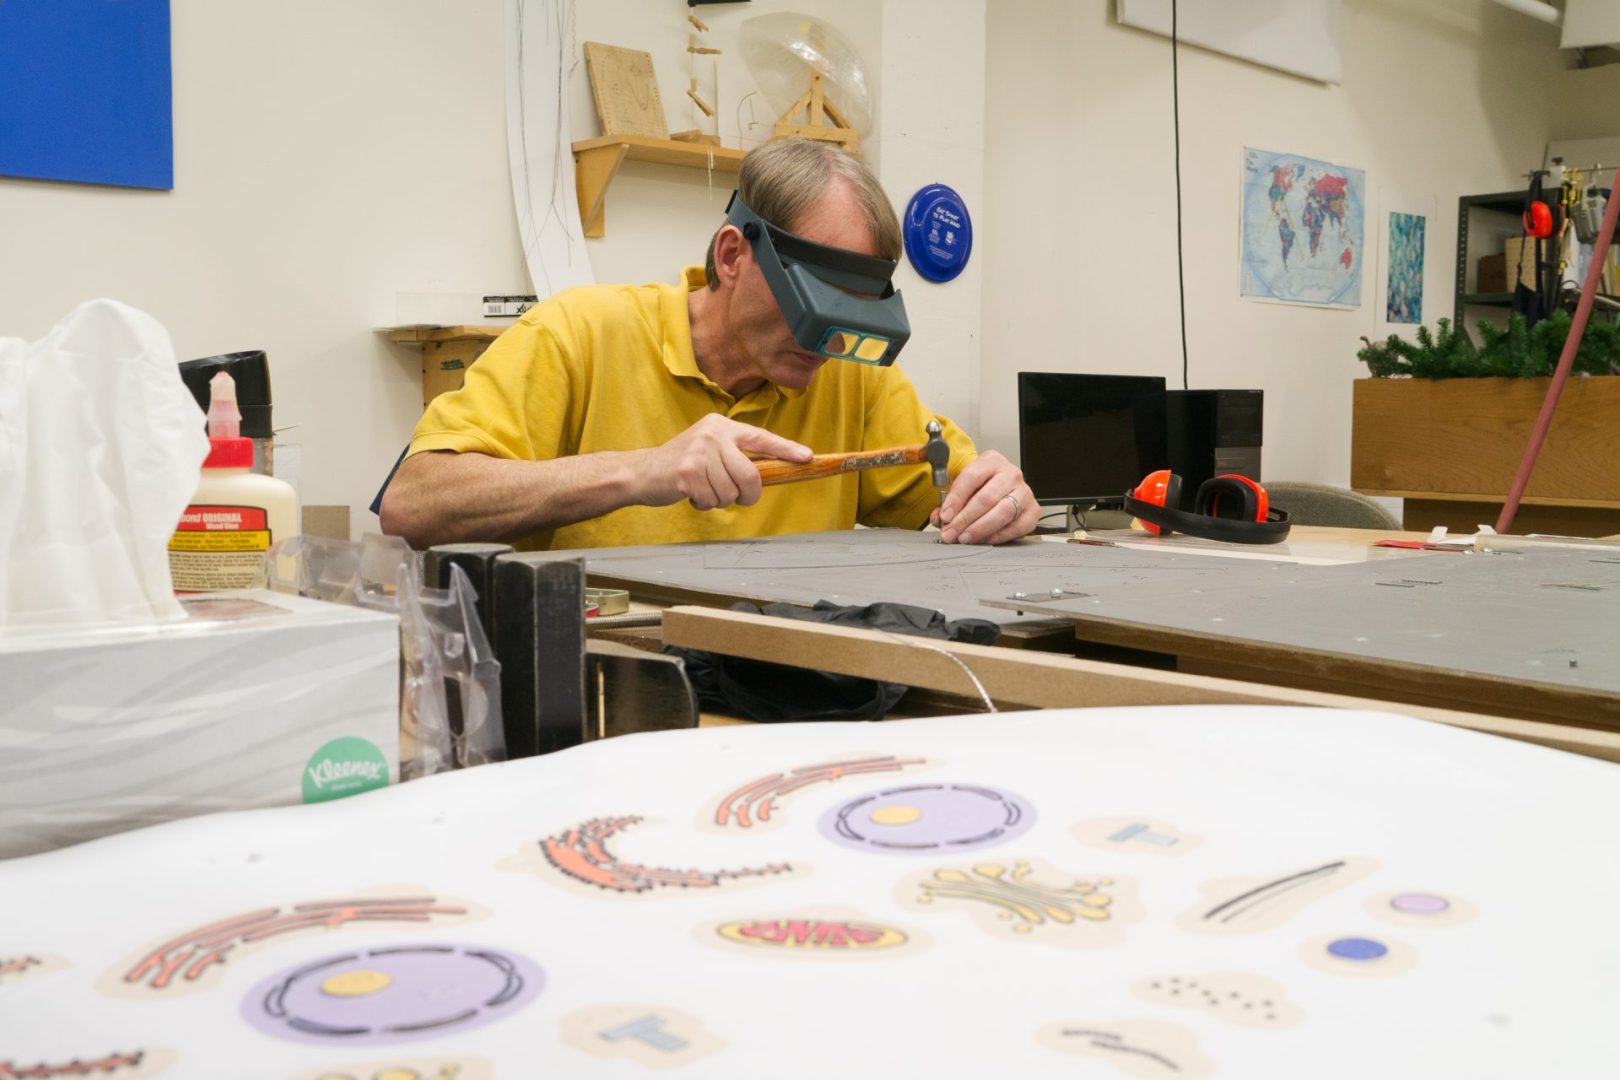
(935, 452)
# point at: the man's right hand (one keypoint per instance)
(708, 464)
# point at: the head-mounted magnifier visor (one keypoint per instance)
(838, 303)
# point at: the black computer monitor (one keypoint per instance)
(1087, 439)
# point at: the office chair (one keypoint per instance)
(1323, 504)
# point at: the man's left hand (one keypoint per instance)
(989, 503)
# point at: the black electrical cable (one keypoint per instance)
(1175, 108)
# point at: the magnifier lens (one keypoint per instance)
(871, 349)
(839, 343)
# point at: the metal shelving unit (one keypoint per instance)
(1482, 221)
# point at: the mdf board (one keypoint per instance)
(1528, 634)
(626, 93)
(1016, 678)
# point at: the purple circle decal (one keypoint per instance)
(1357, 948)
(929, 819)
(392, 994)
(1420, 904)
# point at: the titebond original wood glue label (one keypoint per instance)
(218, 547)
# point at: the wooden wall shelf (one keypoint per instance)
(447, 352)
(597, 161)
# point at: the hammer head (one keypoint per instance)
(938, 454)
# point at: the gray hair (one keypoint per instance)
(781, 180)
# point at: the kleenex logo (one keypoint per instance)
(327, 771)
(345, 766)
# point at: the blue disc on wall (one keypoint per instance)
(938, 233)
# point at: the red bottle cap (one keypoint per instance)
(229, 454)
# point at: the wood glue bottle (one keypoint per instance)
(236, 513)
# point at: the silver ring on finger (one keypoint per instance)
(1018, 507)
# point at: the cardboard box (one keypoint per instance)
(1492, 276)
(258, 699)
(1519, 260)
(331, 522)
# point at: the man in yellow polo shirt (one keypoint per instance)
(614, 414)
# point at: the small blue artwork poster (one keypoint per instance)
(1405, 303)
(1303, 227)
(86, 92)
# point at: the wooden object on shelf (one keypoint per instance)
(1461, 440)
(694, 50)
(695, 136)
(1519, 261)
(597, 161)
(821, 118)
(1492, 275)
(447, 353)
(625, 91)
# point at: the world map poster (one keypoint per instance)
(1304, 222)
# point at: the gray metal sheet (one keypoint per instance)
(1544, 616)
(864, 566)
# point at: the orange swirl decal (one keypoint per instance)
(582, 854)
(754, 801)
(76, 1067)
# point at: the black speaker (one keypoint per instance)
(1207, 433)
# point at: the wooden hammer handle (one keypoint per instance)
(777, 471)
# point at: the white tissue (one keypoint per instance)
(101, 448)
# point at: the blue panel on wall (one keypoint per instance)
(85, 92)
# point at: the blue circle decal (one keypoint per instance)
(938, 233)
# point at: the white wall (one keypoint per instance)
(327, 157)
(331, 156)
(933, 132)
(1444, 97)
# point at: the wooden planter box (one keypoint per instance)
(1450, 447)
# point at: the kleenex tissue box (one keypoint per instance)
(256, 699)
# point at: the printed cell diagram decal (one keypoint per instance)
(751, 804)
(929, 819)
(1030, 901)
(188, 960)
(836, 935)
(119, 1065)
(1244, 905)
(1235, 997)
(391, 994)
(582, 854)
(1148, 1049)
(16, 968)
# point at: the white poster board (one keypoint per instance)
(539, 148)
(1301, 37)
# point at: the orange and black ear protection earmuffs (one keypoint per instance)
(1228, 507)
(1538, 215)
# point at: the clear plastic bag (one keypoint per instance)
(450, 691)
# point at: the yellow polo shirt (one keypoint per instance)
(610, 367)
